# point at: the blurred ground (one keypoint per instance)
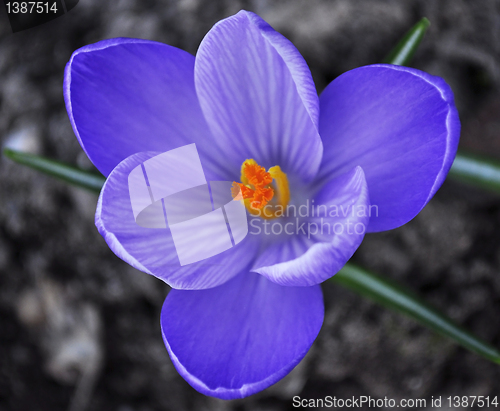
(79, 328)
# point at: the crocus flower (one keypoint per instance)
(379, 136)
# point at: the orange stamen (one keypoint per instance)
(256, 191)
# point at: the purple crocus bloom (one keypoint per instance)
(379, 135)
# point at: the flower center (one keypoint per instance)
(265, 193)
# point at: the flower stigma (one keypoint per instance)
(265, 193)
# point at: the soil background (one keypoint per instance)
(79, 328)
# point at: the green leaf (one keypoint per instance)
(400, 299)
(406, 48)
(72, 175)
(476, 170)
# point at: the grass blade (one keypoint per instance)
(406, 48)
(400, 299)
(88, 180)
(475, 170)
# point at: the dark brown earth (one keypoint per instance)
(79, 328)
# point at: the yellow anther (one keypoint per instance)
(265, 193)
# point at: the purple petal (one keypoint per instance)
(241, 337)
(152, 250)
(336, 229)
(124, 96)
(258, 96)
(401, 126)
